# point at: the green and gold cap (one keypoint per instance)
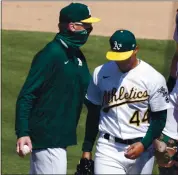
(76, 12)
(123, 44)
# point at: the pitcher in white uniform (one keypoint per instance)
(169, 135)
(121, 93)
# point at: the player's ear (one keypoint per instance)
(136, 50)
(71, 27)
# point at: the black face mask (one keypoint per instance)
(89, 30)
(77, 38)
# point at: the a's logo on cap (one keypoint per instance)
(89, 11)
(117, 46)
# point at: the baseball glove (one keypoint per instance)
(175, 158)
(165, 149)
(85, 167)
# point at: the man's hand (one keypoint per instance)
(134, 150)
(21, 142)
(87, 155)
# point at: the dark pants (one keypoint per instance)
(167, 171)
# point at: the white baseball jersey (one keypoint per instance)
(126, 97)
(171, 128)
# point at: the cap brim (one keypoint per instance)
(119, 56)
(91, 20)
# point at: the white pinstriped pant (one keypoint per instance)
(48, 161)
(110, 159)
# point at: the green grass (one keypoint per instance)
(18, 49)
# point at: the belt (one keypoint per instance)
(118, 140)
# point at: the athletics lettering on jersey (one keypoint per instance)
(127, 99)
(111, 99)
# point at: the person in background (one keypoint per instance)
(168, 140)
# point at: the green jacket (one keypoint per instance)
(50, 101)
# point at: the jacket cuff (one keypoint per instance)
(22, 134)
(87, 146)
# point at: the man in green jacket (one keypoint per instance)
(50, 101)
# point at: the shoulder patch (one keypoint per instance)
(164, 93)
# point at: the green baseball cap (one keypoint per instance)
(123, 44)
(77, 12)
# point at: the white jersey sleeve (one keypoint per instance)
(93, 92)
(159, 96)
